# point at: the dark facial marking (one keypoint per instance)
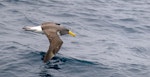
(64, 31)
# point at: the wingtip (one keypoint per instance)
(48, 57)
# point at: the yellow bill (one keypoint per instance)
(72, 34)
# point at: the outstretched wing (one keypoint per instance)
(54, 40)
(55, 45)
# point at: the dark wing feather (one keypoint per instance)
(55, 43)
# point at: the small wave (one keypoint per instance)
(10, 48)
(128, 20)
(2, 5)
(130, 30)
(12, 0)
(126, 29)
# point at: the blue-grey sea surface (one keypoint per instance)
(113, 38)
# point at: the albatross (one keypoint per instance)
(52, 31)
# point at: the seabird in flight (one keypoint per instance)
(52, 31)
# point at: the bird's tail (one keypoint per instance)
(33, 28)
(27, 28)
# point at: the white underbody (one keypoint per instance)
(36, 29)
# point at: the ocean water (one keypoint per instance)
(113, 38)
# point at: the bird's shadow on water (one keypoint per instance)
(44, 73)
(53, 64)
(47, 68)
(58, 63)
